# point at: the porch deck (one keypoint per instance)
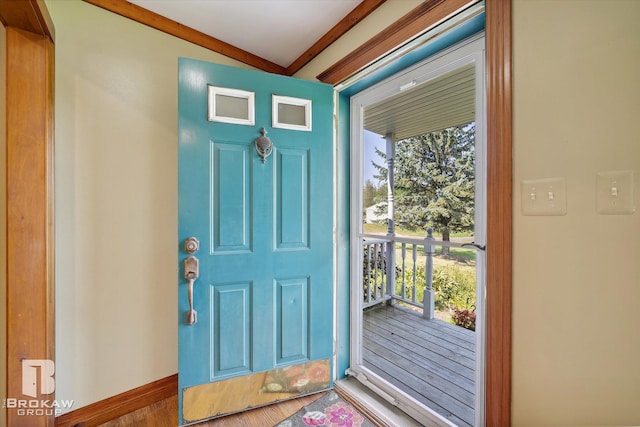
(431, 360)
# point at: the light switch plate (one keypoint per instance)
(614, 193)
(544, 196)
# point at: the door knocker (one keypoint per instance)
(264, 147)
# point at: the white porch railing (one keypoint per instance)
(383, 272)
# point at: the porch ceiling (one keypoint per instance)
(445, 101)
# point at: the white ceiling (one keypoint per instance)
(445, 101)
(277, 30)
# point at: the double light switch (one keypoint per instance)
(544, 197)
(614, 195)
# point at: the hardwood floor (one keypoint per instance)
(164, 414)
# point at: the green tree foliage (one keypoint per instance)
(373, 194)
(434, 180)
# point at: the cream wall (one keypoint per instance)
(3, 221)
(116, 195)
(576, 327)
(116, 201)
(576, 278)
(379, 19)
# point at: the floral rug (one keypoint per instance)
(330, 410)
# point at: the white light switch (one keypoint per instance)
(544, 197)
(614, 193)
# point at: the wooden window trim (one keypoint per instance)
(499, 170)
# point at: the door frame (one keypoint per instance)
(499, 180)
(499, 164)
(468, 51)
(28, 195)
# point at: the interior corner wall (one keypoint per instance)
(576, 277)
(3, 222)
(379, 19)
(115, 201)
(576, 331)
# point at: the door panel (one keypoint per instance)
(292, 199)
(264, 294)
(231, 322)
(231, 198)
(293, 319)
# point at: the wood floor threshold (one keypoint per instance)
(367, 412)
(116, 406)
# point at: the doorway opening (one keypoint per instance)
(418, 215)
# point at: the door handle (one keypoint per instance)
(475, 245)
(191, 273)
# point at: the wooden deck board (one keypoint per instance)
(430, 341)
(441, 330)
(381, 342)
(428, 380)
(432, 361)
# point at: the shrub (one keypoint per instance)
(454, 288)
(465, 318)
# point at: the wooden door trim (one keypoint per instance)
(30, 263)
(29, 193)
(499, 171)
(28, 15)
(499, 212)
(415, 23)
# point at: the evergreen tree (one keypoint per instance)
(434, 178)
(369, 194)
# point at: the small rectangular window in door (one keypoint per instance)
(231, 106)
(291, 113)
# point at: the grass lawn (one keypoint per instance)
(382, 229)
(464, 258)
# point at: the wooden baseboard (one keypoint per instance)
(121, 404)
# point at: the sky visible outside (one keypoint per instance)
(371, 141)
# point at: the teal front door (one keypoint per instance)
(255, 292)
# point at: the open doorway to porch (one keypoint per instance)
(418, 177)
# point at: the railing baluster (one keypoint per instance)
(415, 272)
(381, 267)
(404, 283)
(428, 308)
(380, 270)
(375, 270)
(391, 270)
(368, 273)
(377, 266)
